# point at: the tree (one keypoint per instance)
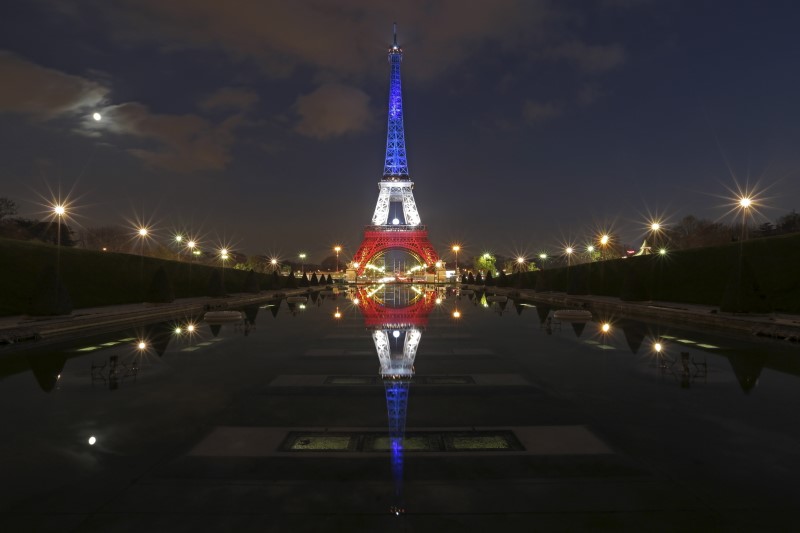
(46, 231)
(692, 232)
(107, 238)
(765, 230)
(215, 287)
(160, 290)
(8, 208)
(329, 264)
(502, 279)
(486, 263)
(291, 281)
(251, 284)
(788, 223)
(50, 296)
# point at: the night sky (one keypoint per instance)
(527, 123)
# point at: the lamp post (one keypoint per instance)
(303, 262)
(604, 240)
(745, 203)
(143, 233)
(223, 256)
(60, 211)
(456, 248)
(569, 250)
(337, 249)
(438, 268)
(542, 258)
(191, 245)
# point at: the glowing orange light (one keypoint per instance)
(606, 327)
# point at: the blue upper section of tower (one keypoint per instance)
(396, 164)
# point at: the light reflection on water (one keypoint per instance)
(127, 397)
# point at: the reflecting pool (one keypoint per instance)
(400, 406)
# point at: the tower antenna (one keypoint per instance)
(394, 27)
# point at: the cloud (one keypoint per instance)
(181, 143)
(539, 112)
(44, 93)
(588, 58)
(333, 110)
(334, 37)
(230, 98)
(589, 94)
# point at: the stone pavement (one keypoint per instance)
(774, 325)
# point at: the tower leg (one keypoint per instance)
(381, 215)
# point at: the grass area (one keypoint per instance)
(699, 276)
(98, 278)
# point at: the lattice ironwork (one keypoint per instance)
(377, 315)
(396, 186)
(396, 191)
(376, 241)
(396, 164)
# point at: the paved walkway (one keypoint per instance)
(775, 325)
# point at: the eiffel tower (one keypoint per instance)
(405, 230)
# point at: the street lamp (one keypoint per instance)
(543, 258)
(520, 262)
(143, 233)
(745, 203)
(223, 256)
(303, 262)
(59, 211)
(569, 250)
(456, 248)
(604, 240)
(337, 249)
(190, 244)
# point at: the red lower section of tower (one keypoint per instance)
(381, 316)
(376, 241)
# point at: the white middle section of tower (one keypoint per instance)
(397, 364)
(396, 191)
